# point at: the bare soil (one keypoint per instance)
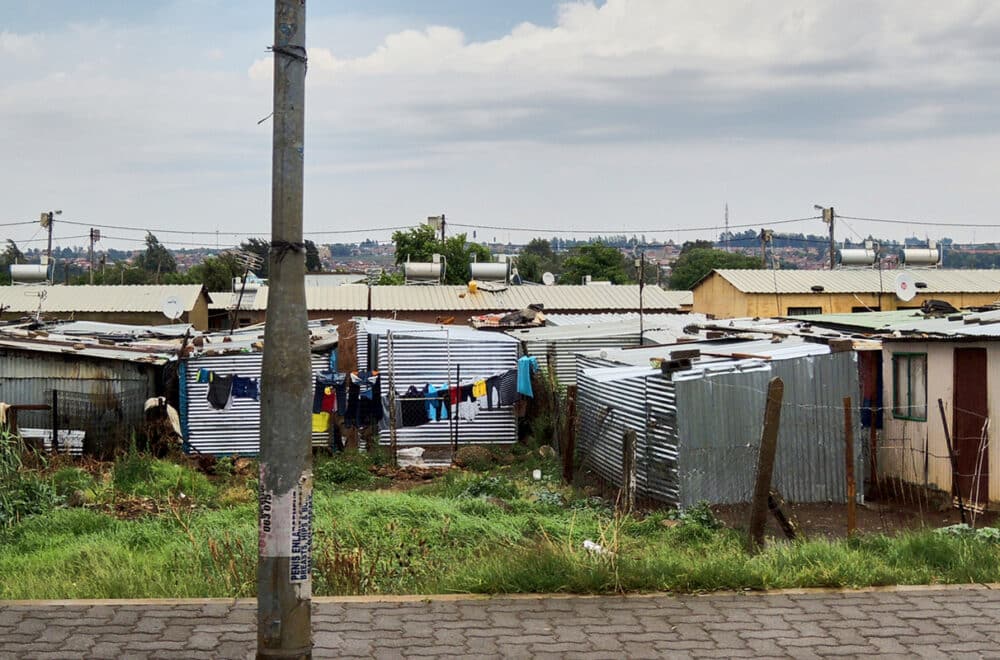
(889, 515)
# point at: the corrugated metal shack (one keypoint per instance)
(423, 353)
(698, 431)
(561, 343)
(100, 385)
(237, 429)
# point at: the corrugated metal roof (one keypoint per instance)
(87, 298)
(97, 328)
(714, 350)
(354, 298)
(860, 281)
(334, 279)
(654, 319)
(984, 324)
(72, 346)
(381, 327)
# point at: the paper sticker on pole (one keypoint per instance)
(300, 565)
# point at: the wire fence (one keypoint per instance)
(109, 416)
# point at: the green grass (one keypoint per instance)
(466, 533)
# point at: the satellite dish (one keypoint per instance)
(906, 287)
(172, 308)
(548, 279)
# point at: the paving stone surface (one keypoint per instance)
(904, 623)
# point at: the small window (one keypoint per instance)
(804, 311)
(858, 310)
(909, 386)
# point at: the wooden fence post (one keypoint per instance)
(852, 513)
(628, 471)
(765, 463)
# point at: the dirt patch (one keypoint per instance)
(886, 516)
(408, 477)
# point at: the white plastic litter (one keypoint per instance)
(536, 475)
(595, 548)
(410, 456)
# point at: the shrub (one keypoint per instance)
(22, 491)
(499, 487)
(349, 469)
(69, 479)
(140, 475)
(474, 457)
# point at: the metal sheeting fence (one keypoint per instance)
(233, 431)
(433, 357)
(564, 351)
(607, 410)
(698, 435)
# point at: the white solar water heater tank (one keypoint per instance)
(29, 273)
(920, 256)
(422, 270)
(485, 271)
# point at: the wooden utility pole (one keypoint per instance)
(284, 565)
(852, 514)
(765, 463)
(629, 484)
(829, 217)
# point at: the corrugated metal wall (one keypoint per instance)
(565, 351)
(435, 359)
(702, 445)
(233, 431)
(607, 410)
(30, 377)
(720, 423)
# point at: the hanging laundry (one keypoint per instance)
(320, 422)
(219, 391)
(526, 366)
(437, 406)
(479, 388)
(204, 376)
(329, 403)
(338, 381)
(492, 396)
(467, 410)
(465, 393)
(246, 388)
(317, 396)
(455, 392)
(508, 388)
(412, 410)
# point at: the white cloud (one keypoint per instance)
(19, 45)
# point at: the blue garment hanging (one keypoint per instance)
(526, 366)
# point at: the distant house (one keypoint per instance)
(768, 293)
(433, 304)
(130, 304)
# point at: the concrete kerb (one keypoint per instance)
(421, 598)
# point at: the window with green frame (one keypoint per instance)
(909, 386)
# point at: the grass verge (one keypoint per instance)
(466, 533)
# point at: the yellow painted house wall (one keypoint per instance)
(716, 296)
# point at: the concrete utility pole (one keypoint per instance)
(284, 566)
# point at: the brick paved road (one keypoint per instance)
(942, 622)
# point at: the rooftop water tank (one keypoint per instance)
(28, 273)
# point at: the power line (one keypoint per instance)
(645, 230)
(15, 224)
(922, 223)
(151, 230)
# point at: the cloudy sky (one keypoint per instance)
(646, 116)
